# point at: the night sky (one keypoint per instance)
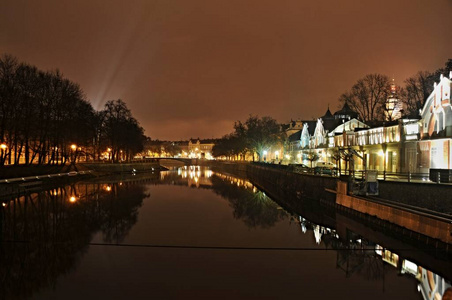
(191, 68)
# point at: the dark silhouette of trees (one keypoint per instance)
(416, 91)
(368, 96)
(419, 86)
(230, 146)
(44, 116)
(122, 132)
(254, 135)
(254, 209)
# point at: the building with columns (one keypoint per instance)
(393, 146)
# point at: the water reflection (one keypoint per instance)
(360, 256)
(356, 255)
(250, 205)
(45, 235)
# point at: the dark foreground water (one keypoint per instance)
(196, 234)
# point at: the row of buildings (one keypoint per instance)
(193, 148)
(397, 145)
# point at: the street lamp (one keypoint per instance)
(3, 146)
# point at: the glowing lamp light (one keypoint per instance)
(108, 188)
(3, 204)
(73, 146)
(3, 146)
(72, 199)
(265, 152)
(276, 152)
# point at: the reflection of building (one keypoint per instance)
(356, 253)
(431, 285)
(196, 176)
(200, 149)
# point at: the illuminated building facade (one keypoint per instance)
(393, 106)
(196, 149)
(396, 145)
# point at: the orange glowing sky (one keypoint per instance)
(190, 68)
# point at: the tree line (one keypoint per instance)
(254, 136)
(368, 95)
(46, 119)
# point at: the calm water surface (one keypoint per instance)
(196, 234)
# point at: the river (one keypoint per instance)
(193, 233)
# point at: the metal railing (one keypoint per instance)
(359, 174)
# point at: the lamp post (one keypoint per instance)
(73, 152)
(3, 148)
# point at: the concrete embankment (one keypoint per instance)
(435, 197)
(427, 223)
(282, 183)
(42, 179)
(423, 209)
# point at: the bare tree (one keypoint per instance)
(416, 91)
(368, 96)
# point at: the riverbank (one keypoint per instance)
(420, 209)
(18, 180)
(8, 172)
(430, 196)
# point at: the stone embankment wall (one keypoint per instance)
(282, 183)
